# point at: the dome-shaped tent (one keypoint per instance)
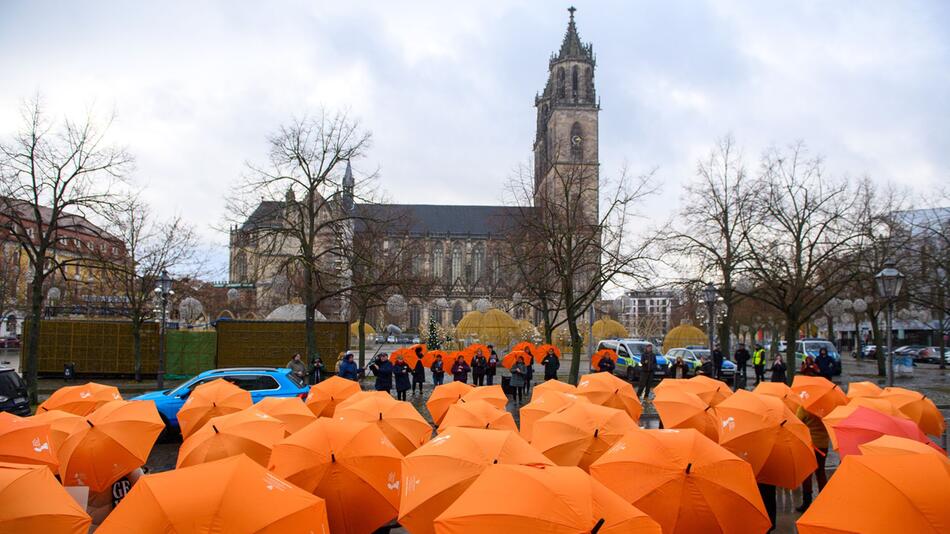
(684, 335)
(292, 312)
(494, 326)
(368, 330)
(607, 328)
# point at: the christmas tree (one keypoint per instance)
(435, 335)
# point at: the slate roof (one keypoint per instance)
(427, 219)
(266, 214)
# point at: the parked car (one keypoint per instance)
(391, 339)
(869, 351)
(811, 346)
(693, 358)
(416, 340)
(912, 351)
(259, 381)
(932, 354)
(628, 357)
(10, 342)
(13, 395)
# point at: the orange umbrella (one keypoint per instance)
(600, 355)
(918, 408)
(408, 356)
(34, 502)
(579, 433)
(436, 474)
(863, 389)
(24, 440)
(552, 385)
(710, 390)
(606, 389)
(555, 500)
(289, 410)
(542, 404)
(419, 346)
(897, 445)
(430, 357)
(466, 356)
(250, 432)
(525, 346)
(230, 495)
(841, 413)
(398, 420)
(493, 395)
(683, 409)
(470, 351)
(762, 431)
(351, 464)
(117, 440)
(779, 390)
(817, 394)
(882, 494)
(541, 351)
(211, 399)
(444, 396)
(80, 400)
(477, 414)
(61, 425)
(512, 358)
(325, 396)
(361, 396)
(684, 481)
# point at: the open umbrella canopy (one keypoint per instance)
(473, 349)
(554, 500)
(324, 397)
(541, 351)
(897, 445)
(361, 396)
(211, 399)
(882, 494)
(250, 432)
(524, 346)
(398, 420)
(579, 433)
(444, 396)
(477, 414)
(779, 390)
(117, 440)
(80, 400)
(455, 354)
(841, 413)
(762, 431)
(710, 390)
(865, 425)
(863, 389)
(434, 475)
(430, 356)
(408, 355)
(32, 501)
(552, 385)
(543, 404)
(234, 495)
(678, 408)
(918, 408)
(685, 481)
(61, 425)
(605, 389)
(289, 410)
(600, 355)
(493, 395)
(512, 358)
(351, 465)
(817, 394)
(25, 440)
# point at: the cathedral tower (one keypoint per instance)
(567, 136)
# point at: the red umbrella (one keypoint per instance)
(866, 425)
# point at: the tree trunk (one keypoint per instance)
(879, 344)
(725, 332)
(31, 365)
(576, 343)
(941, 341)
(831, 331)
(309, 322)
(137, 347)
(362, 337)
(791, 337)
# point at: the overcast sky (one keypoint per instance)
(447, 88)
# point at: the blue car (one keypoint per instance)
(259, 381)
(692, 357)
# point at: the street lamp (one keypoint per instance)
(710, 296)
(163, 290)
(860, 306)
(889, 282)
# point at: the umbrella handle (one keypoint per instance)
(598, 526)
(819, 451)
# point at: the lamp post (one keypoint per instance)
(860, 306)
(163, 290)
(941, 318)
(889, 282)
(710, 295)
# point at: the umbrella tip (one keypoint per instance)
(783, 422)
(495, 461)
(88, 422)
(598, 526)
(596, 432)
(332, 458)
(214, 428)
(380, 416)
(688, 467)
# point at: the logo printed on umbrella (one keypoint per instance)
(618, 447)
(116, 396)
(85, 395)
(38, 447)
(439, 440)
(729, 424)
(804, 395)
(583, 384)
(392, 483)
(271, 482)
(411, 483)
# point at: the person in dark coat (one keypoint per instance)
(297, 367)
(679, 369)
(479, 367)
(401, 372)
(551, 364)
(348, 369)
(778, 369)
(717, 362)
(606, 365)
(418, 376)
(492, 368)
(438, 370)
(809, 367)
(826, 364)
(742, 357)
(647, 366)
(383, 369)
(460, 370)
(529, 372)
(518, 373)
(316, 370)
(705, 368)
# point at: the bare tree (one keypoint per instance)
(51, 177)
(306, 238)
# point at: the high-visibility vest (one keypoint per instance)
(759, 357)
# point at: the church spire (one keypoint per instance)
(571, 46)
(348, 185)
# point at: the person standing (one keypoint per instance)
(460, 370)
(809, 367)
(647, 366)
(679, 368)
(438, 370)
(606, 365)
(529, 372)
(819, 440)
(758, 364)
(348, 368)
(383, 369)
(519, 372)
(717, 362)
(492, 368)
(826, 364)
(418, 376)
(742, 358)
(297, 367)
(705, 368)
(479, 368)
(316, 369)
(778, 369)
(100, 504)
(401, 372)
(551, 364)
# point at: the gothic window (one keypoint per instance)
(457, 313)
(438, 260)
(574, 83)
(416, 265)
(577, 142)
(495, 270)
(478, 263)
(560, 82)
(415, 316)
(436, 315)
(240, 268)
(589, 84)
(458, 262)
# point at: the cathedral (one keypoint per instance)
(461, 246)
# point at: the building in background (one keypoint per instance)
(647, 313)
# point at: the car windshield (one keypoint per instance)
(295, 379)
(182, 388)
(701, 353)
(812, 347)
